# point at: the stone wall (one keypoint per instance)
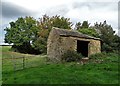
(94, 47)
(57, 45)
(52, 45)
(66, 43)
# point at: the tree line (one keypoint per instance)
(29, 35)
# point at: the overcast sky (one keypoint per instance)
(76, 10)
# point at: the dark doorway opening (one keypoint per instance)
(82, 47)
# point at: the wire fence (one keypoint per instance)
(11, 65)
(22, 62)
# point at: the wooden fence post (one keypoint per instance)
(23, 62)
(14, 69)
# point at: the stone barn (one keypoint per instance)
(62, 40)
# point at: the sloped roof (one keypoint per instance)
(72, 33)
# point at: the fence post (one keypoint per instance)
(14, 69)
(23, 62)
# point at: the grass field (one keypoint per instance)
(101, 69)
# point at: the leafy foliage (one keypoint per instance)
(30, 36)
(86, 29)
(45, 25)
(79, 25)
(106, 33)
(70, 56)
(61, 22)
(89, 31)
(22, 34)
(98, 55)
(110, 41)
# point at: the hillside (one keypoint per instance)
(101, 69)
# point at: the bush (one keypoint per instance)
(70, 56)
(98, 55)
(89, 31)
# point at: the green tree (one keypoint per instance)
(106, 33)
(78, 26)
(22, 33)
(30, 36)
(89, 31)
(45, 25)
(83, 25)
(86, 29)
(61, 22)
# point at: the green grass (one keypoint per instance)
(101, 70)
(5, 48)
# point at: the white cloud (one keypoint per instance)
(42, 4)
(88, 10)
(76, 10)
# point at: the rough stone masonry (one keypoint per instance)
(62, 40)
